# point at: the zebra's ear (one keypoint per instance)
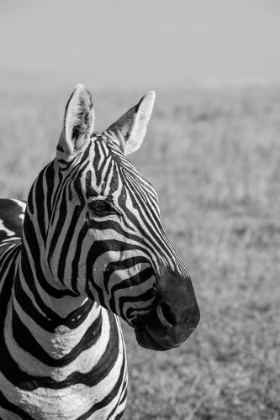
(130, 129)
(78, 124)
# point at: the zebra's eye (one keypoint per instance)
(101, 208)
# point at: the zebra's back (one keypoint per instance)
(11, 218)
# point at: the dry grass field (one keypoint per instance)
(213, 156)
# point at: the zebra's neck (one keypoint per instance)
(36, 282)
(60, 364)
(57, 320)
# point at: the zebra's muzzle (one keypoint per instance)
(145, 339)
(151, 334)
(173, 316)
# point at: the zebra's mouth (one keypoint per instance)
(146, 340)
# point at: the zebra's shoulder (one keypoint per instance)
(11, 219)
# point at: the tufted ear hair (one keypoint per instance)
(130, 129)
(77, 126)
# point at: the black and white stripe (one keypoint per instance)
(92, 249)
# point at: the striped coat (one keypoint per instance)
(92, 249)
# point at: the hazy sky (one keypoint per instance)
(150, 42)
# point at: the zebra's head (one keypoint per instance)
(114, 248)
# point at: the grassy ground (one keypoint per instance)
(214, 158)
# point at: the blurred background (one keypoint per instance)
(155, 43)
(212, 152)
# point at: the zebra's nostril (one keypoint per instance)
(167, 314)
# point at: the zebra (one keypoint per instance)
(91, 250)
